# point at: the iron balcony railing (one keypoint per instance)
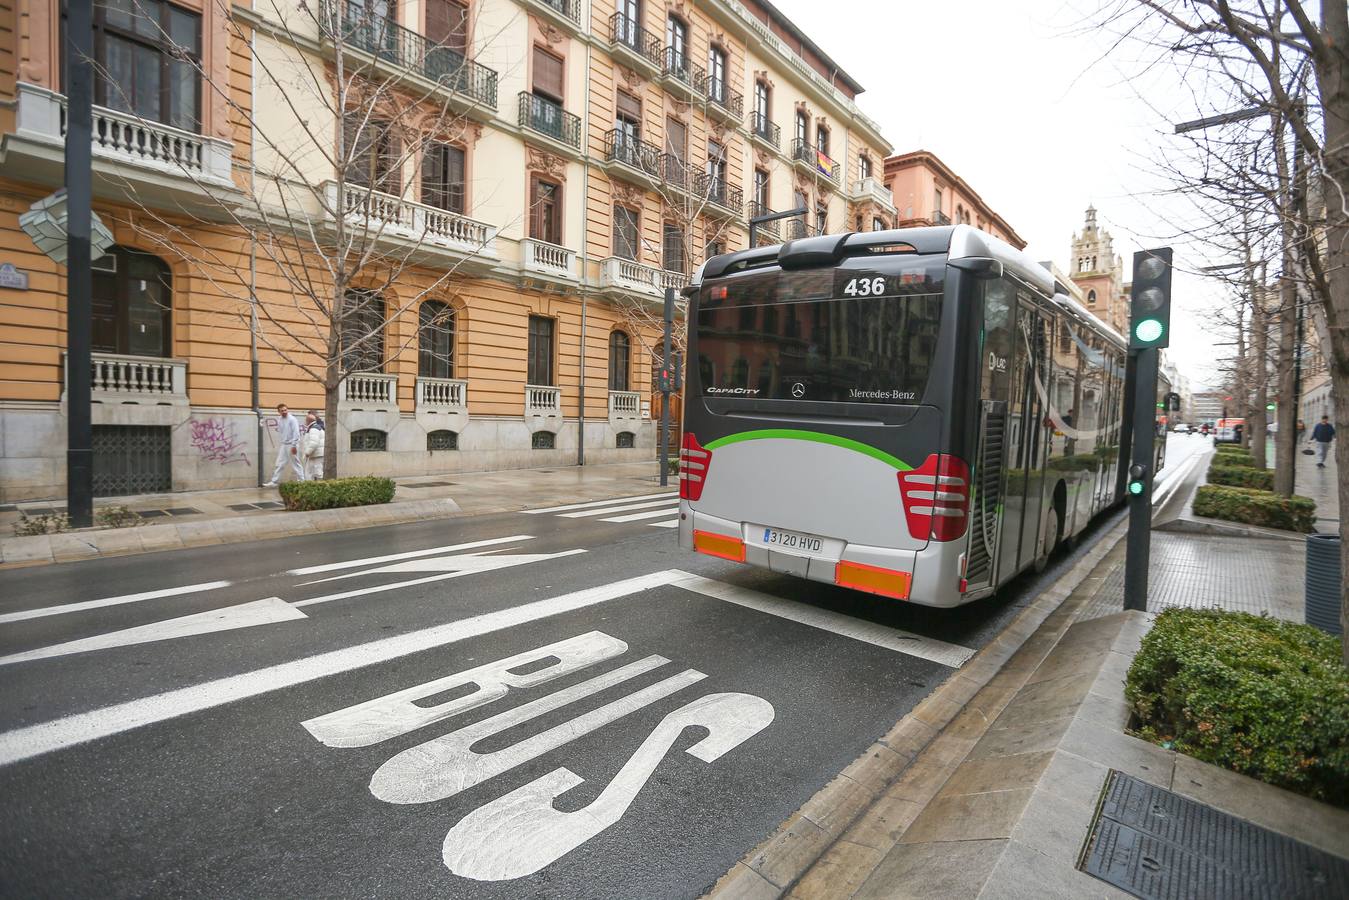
(818, 160)
(720, 93)
(798, 228)
(940, 218)
(626, 32)
(674, 171)
(715, 189)
(385, 39)
(549, 118)
(773, 227)
(763, 128)
(675, 64)
(571, 9)
(622, 147)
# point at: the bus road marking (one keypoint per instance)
(931, 649)
(111, 601)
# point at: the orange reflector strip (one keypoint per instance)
(719, 545)
(873, 579)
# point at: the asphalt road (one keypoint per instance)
(517, 705)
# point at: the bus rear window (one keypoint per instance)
(844, 335)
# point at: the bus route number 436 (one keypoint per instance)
(864, 287)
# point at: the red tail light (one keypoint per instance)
(694, 462)
(936, 498)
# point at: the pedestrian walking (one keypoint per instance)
(1322, 435)
(288, 446)
(311, 446)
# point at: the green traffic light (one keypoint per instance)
(1135, 487)
(1149, 331)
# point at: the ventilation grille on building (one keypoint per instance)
(543, 440)
(131, 459)
(369, 439)
(626, 440)
(442, 440)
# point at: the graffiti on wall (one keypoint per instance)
(216, 441)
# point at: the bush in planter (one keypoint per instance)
(363, 491)
(1233, 456)
(1240, 476)
(1259, 696)
(1255, 507)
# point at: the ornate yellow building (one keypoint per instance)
(493, 194)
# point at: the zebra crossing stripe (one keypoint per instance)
(673, 523)
(668, 502)
(593, 503)
(650, 514)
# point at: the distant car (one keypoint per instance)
(1228, 431)
(1182, 428)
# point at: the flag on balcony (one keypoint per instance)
(824, 163)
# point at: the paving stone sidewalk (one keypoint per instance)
(198, 518)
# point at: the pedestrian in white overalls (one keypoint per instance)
(288, 446)
(311, 446)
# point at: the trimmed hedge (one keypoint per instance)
(1259, 696)
(1240, 476)
(1233, 456)
(1255, 507)
(366, 490)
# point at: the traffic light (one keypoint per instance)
(1150, 300)
(1137, 480)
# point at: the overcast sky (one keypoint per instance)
(1024, 102)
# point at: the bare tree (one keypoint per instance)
(337, 250)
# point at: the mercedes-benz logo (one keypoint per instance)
(798, 390)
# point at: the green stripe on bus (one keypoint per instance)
(793, 434)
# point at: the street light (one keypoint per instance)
(45, 222)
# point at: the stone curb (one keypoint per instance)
(811, 850)
(1202, 525)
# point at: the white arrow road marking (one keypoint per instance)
(111, 601)
(245, 615)
(429, 551)
(520, 833)
(610, 502)
(670, 502)
(57, 734)
(459, 566)
(952, 655)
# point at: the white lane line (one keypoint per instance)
(637, 517)
(668, 503)
(471, 566)
(430, 551)
(610, 502)
(245, 615)
(57, 734)
(111, 601)
(673, 523)
(931, 649)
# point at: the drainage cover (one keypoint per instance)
(1157, 844)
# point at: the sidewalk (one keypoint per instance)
(991, 787)
(197, 518)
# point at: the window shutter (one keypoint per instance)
(629, 107)
(447, 24)
(676, 139)
(547, 74)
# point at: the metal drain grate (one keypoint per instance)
(1157, 844)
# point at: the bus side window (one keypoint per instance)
(997, 349)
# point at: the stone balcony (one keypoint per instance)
(140, 380)
(871, 190)
(548, 261)
(624, 406)
(153, 164)
(427, 233)
(625, 276)
(543, 408)
(442, 403)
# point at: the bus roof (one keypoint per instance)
(957, 241)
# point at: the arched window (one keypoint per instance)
(1091, 298)
(435, 323)
(362, 331)
(132, 299)
(620, 355)
(442, 439)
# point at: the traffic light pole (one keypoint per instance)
(665, 379)
(79, 38)
(1141, 468)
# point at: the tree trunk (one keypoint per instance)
(332, 381)
(1256, 418)
(1285, 435)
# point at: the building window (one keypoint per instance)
(864, 166)
(937, 200)
(822, 219)
(672, 249)
(147, 56)
(443, 177)
(447, 27)
(803, 128)
(545, 210)
(713, 248)
(435, 357)
(626, 440)
(362, 331)
(548, 78)
(628, 120)
(878, 224)
(442, 439)
(761, 190)
(716, 172)
(543, 440)
(372, 153)
(540, 362)
(620, 355)
(132, 299)
(1091, 298)
(626, 229)
(369, 440)
(716, 75)
(763, 97)
(676, 44)
(822, 140)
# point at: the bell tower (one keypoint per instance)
(1096, 269)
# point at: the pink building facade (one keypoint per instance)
(927, 192)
